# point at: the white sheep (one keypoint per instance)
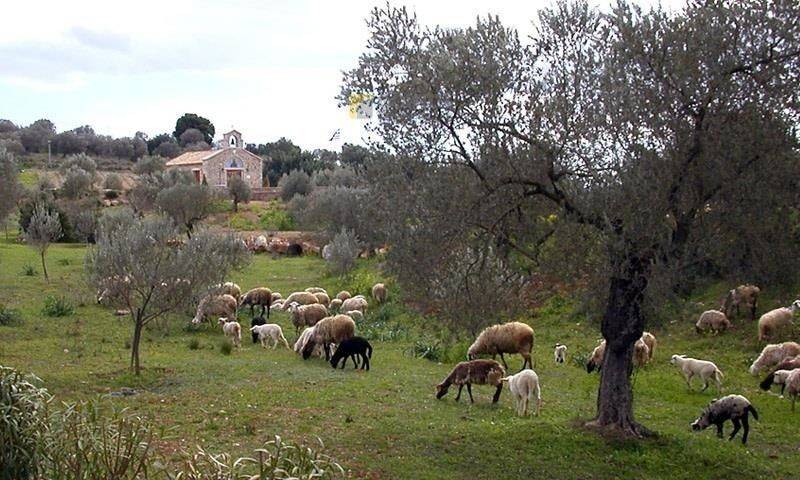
(355, 315)
(232, 330)
(379, 292)
(271, 331)
(560, 353)
(703, 368)
(793, 385)
(774, 320)
(712, 320)
(355, 303)
(306, 315)
(781, 377)
(773, 354)
(524, 385)
(215, 305)
(316, 290)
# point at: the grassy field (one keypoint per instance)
(386, 423)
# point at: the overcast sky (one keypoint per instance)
(270, 69)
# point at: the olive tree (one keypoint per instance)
(9, 185)
(143, 265)
(239, 191)
(629, 128)
(186, 204)
(43, 229)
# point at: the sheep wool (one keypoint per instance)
(793, 385)
(713, 321)
(316, 290)
(731, 407)
(259, 296)
(232, 330)
(524, 386)
(330, 330)
(773, 354)
(513, 337)
(742, 296)
(771, 322)
(215, 305)
(354, 303)
(478, 372)
(322, 298)
(302, 298)
(307, 315)
(691, 367)
(343, 295)
(788, 363)
(379, 292)
(560, 353)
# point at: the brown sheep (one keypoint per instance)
(743, 295)
(330, 330)
(379, 292)
(261, 296)
(335, 304)
(323, 298)
(773, 354)
(641, 353)
(650, 340)
(343, 295)
(513, 337)
(307, 315)
(479, 372)
(316, 290)
(216, 306)
(774, 320)
(595, 361)
(302, 298)
(712, 320)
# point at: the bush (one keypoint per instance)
(149, 165)
(296, 182)
(9, 317)
(112, 182)
(77, 183)
(276, 218)
(81, 161)
(428, 349)
(343, 251)
(226, 346)
(57, 307)
(29, 270)
(23, 407)
(194, 344)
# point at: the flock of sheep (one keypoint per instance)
(328, 328)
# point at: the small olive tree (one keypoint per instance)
(143, 266)
(43, 229)
(186, 204)
(296, 182)
(239, 192)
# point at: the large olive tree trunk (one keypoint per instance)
(622, 325)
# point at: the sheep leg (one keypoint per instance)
(268, 305)
(736, 426)
(705, 384)
(746, 425)
(355, 361)
(504, 361)
(719, 430)
(262, 310)
(364, 361)
(469, 390)
(460, 387)
(497, 393)
(688, 378)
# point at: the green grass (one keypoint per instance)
(386, 423)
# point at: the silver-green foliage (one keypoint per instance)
(343, 251)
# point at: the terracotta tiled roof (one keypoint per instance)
(192, 158)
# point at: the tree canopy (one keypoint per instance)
(192, 120)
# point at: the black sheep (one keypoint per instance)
(732, 407)
(350, 348)
(256, 321)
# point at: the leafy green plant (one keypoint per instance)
(29, 271)
(194, 344)
(276, 219)
(9, 316)
(57, 307)
(225, 347)
(23, 407)
(427, 348)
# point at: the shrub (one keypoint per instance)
(112, 182)
(239, 191)
(226, 347)
(194, 344)
(296, 182)
(343, 251)
(57, 307)
(77, 183)
(29, 271)
(428, 349)
(149, 165)
(276, 218)
(9, 316)
(81, 161)
(23, 407)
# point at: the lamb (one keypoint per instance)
(712, 320)
(258, 296)
(743, 295)
(788, 363)
(513, 337)
(793, 385)
(323, 298)
(350, 348)
(780, 377)
(316, 290)
(379, 292)
(560, 353)
(307, 315)
(302, 298)
(523, 386)
(330, 330)
(270, 331)
(705, 369)
(354, 303)
(355, 315)
(732, 407)
(774, 320)
(343, 295)
(774, 353)
(641, 353)
(650, 340)
(229, 288)
(215, 305)
(254, 323)
(335, 304)
(595, 361)
(479, 372)
(232, 330)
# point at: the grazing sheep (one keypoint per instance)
(256, 321)
(650, 340)
(330, 330)
(303, 339)
(232, 330)
(260, 244)
(703, 368)
(712, 320)
(788, 363)
(277, 305)
(271, 331)
(793, 385)
(343, 295)
(743, 295)
(258, 296)
(355, 303)
(302, 298)
(774, 320)
(355, 315)
(350, 348)
(524, 385)
(731, 407)
(307, 315)
(780, 377)
(641, 353)
(513, 337)
(323, 298)
(595, 361)
(335, 304)
(772, 354)
(379, 292)
(560, 353)
(229, 288)
(479, 372)
(316, 290)
(276, 296)
(215, 305)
